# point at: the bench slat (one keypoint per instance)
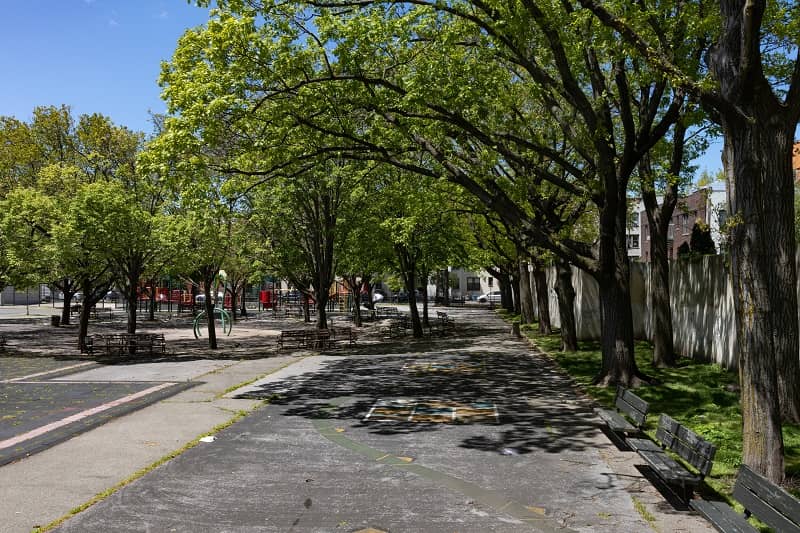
(722, 516)
(686, 443)
(668, 468)
(643, 445)
(770, 503)
(634, 406)
(616, 422)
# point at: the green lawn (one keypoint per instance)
(702, 396)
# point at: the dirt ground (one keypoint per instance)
(252, 337)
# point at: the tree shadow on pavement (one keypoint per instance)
(538, 408)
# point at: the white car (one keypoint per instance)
(493, 297)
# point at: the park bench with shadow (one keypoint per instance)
(307, 338)
(95, 312)
(628, 416)
(344, 334)
(385, 311)
(441, 325)
(292, 338)
(126, 344)
(761, 498)
(687, 445)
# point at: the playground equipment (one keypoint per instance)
(225, 318)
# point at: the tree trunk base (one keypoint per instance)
(638, 380)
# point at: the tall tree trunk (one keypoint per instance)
(759, 127)
(351, 281)
(525, 293)
(663, 346)
(658, 219)
(410, 282)
(130, 297)
(764, 277)
(83, 325)
(613, 277)
(514, 305)
(321, 297)
(423, 276)
(208, 305)
(152, 303)
(68, 289)
(445, 276)
(243, 300)
(566, 306)
(542, 298)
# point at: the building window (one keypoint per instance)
(685, 223)
(633, 241)
(491, 282)
(474, 284)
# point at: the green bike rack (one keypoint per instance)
(224, 316)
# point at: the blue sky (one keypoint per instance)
(103, 56)
(97, 56)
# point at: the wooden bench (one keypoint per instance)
(126, 344)
(760, 497)
(444, 320)
(344, 334)
(442, 324)
(626, 404)
(383, 311)
(295, 338)
(306, 338)
(686, 444)
(394, 329)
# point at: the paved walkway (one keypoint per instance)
(353, 441)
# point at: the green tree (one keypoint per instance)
(700, 241)
(752, 89)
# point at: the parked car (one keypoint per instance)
(201, 298)
(113, 296)
(493, 297)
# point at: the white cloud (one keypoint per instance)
(164, 14)
(113, 22)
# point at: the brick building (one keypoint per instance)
(705, 205)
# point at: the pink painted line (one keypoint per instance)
(23, 378)
(80, 416)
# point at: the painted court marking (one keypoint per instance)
(432, 411)
(80, 416)
(47, 372)
(442, 366)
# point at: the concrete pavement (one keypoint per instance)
(354, 441)
(359, 439)
(46, 486)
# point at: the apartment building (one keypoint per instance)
(706, 205)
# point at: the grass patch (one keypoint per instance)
(702, 396)
(644, 513)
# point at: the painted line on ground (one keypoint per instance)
(80, 416)
(47, 372)
(491, 498)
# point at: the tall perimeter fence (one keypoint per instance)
(701, 298)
